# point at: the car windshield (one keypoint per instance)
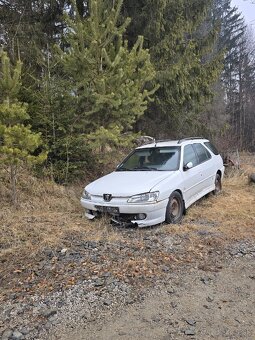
(152, 159)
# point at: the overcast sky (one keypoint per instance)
(248, 10)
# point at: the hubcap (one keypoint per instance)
(175, 207)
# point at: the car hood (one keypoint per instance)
(127, 183)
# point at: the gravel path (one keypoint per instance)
(150, 285)
(193, 304)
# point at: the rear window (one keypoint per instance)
(202, 153)
(212, 148)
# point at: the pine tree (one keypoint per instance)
(89, 92)
(109, 79)
(17, 142)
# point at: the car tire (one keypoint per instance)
(218, 185)
(175, 208)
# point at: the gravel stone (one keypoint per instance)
(63, 251)
(206, 280)
(165, 268)
(48, 312)
(204, 233)
(53, 318)
(190, 322)
(170, 291)
(16, 335)
(24, 330)
(6, 334)
(107, 302)
(209, 299)
(189, 332)
(99, 283)
(121, 333)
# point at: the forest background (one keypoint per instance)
(81, 80)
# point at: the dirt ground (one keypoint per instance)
(193, 304)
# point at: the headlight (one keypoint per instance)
(148, 197)
(86, 195)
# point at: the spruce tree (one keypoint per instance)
(17, 142)
(238, 72)
(181, 49)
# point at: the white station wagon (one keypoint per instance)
(157, 182)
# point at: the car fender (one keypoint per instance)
(169, 185)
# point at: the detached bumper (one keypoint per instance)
(154, 213)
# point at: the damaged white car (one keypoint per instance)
(157, 182)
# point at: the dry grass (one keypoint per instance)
(50, 215)
(46, 212)
(232, 213)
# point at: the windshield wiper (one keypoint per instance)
(123, 169)
(144, 168)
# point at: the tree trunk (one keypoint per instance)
(67, 162)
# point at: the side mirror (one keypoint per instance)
(188, 166)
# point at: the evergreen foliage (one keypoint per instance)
(108, 80)
(238, 73)
(91, 90)
(17, 142)
(182, 54)
(118, 68)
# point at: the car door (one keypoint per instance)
(206, 168)
(191, 177)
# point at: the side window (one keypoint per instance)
(212, 148)
(189, 155)
(202, 153)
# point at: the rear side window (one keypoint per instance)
(212, 148)
(189, 155)
(202, 153)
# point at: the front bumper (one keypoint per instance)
(155, 212)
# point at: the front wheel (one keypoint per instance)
(175, 208)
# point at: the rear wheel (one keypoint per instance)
(218, 185)
(175, 208)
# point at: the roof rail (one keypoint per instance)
(188, 138)
(163, 140)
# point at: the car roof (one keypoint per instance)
(179, 142)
